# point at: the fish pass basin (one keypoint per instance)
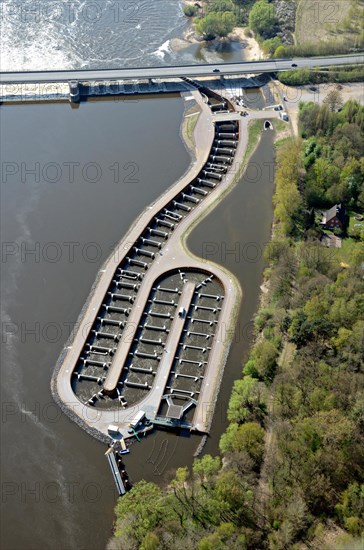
(175, 332)
(178, 370)
(117, 320)
(122, 291)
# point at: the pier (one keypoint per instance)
(110, 455)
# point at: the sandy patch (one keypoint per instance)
(252, 51)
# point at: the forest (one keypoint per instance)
(290, 474)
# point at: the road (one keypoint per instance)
(251, 67)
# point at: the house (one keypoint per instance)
(334, 217)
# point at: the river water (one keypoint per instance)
(80, 178)
(85, 34)
(73, 181)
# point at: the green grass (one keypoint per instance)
(191, 124)
(282, 141)
(345, 253)
(254, 131)
(279, 125)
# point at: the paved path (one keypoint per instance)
(221, 117)
(250, 67)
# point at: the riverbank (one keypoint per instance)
(207, 471)
(290, 351)
(251, 50)
(188, 126)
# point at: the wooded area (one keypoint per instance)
(290, 475)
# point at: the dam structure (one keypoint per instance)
(154, 335)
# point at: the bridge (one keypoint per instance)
(223, 69)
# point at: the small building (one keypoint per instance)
(334, 217)
(112, 429)
(138, 418)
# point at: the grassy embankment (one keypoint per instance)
(191, 124)
(323, 27)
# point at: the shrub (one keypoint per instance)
(262, 19)
(189, 10)
(271, 45)
(216, 24)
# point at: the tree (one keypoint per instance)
(206, 467)
(318, 454)
(139, 511)
(216, 24)
(334, 100)
(150, 542)
(189, 10)
(262, 19)
(265, 359)
(351, 508)
(247, 400)
(287, 197)
(271, 45)
(248, 437)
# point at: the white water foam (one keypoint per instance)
(31, 39)
(35, 37)
(163, 49)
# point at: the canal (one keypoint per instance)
(74, 181)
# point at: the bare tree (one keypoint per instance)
(334, 100)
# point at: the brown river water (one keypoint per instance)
(73, 181)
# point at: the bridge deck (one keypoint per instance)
(250, 67)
